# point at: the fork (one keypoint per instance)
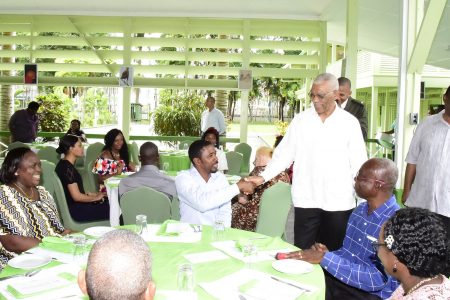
(27, 274)
(197, 228)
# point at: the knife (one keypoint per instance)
(291, 284)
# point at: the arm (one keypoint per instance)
(222, 125)
(77, 196)
(18, 243)
(410, 175)
(363, 122)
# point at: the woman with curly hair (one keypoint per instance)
(414, 249)
(114, 158)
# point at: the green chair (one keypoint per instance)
(234, 160)
(15, 145)
(145, 201)
(92, 152)
(398, 196)
(273, 210)
(53, 185)
(175, 209)
(90, 180)
(133, 150)
(246, 152)
(49, 153)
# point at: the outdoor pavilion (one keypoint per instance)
(416, 31)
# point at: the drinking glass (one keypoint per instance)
(166, 167)
(249, 251)
(185, 279)
(141, 224)
(219, 230)
(79, 252)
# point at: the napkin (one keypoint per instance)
(57, 244)
(265, 288)
(163, 229)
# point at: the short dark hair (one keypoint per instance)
(66, 142)
(196, 149)
(213, 131)
(33, 105)
(76, 121)
(12, 163)
(109, 141)
(420, 241)
(344, 81)
(447, 93)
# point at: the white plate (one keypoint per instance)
(292, 266)
(29, 261)
(97, 231)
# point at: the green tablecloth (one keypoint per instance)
(176, 160)
(168, 256)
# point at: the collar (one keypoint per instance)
(149, 168)
(344, 104)
(379, 212)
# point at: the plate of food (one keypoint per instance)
(97, 231)
(29, 261)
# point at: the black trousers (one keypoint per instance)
(446, 221)
(337, 290)
(317, 225)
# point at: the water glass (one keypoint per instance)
(141, 224)
(249, 251)
(166, 167)
(79, 252)
(219, 230)
(185, 279)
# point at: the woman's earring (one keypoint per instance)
(394, 269)
(15, 174)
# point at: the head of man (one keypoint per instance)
(324, 93)
(119, 267)
(203, 156)
(210, 102)
(148, 154)
(345, 89)
(33, 107)
(376, 179)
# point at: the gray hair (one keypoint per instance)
(329, 78)
(387, 171)
(119, 267)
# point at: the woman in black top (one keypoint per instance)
(75, 130)
(82, 206)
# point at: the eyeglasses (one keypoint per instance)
(318, 96)
(359, 178)
(377, 245)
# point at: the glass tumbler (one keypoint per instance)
(249, 251)
(79, 252)
(219, 230)
(185, 279)
(141, 224)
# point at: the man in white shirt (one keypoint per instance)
(327, 146)
(212, 117)
(205, 193)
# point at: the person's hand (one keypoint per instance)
(258, 180)
(120, 166)
(246, 187)
(319, 247)
(309, 255)
(242, 199)
(405, 196)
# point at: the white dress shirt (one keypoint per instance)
(223, 163)
(430, 152)
(201, 201)
(327, 157)
(213, 118)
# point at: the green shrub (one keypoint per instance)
(53, 112)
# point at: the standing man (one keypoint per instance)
(351, 105)
(149, 174)
(328, 149)
(24, 124)
(205, 193)
(212, 117)
(428, 166)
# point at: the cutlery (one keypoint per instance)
(242, 297)
(288, 283)
(27, 274)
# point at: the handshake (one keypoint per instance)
(248, 184)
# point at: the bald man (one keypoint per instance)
(119, 267)
(149, 174)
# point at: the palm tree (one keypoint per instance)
(6, 98)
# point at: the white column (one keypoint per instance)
(244, 93)
(126, 91)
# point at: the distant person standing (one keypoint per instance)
(24, 124)
(212, 117)
(75, 130)
(353, 106)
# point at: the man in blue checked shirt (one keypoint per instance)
(354, 271)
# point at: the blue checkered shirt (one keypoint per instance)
(356, 263)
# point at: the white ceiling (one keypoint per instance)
(379, 21)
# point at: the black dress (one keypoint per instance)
(80, 211)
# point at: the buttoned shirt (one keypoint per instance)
(356, 262)
(430, 152)
(327, 157)
(213, 118)
(201, 201)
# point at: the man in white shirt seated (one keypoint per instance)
(205, 193)
(212, 117)
(149, 174)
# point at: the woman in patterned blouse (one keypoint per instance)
(28, 211)
(114, 158)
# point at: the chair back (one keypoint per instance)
(273, 210)
(175, 209)
(145, 201)
(92, 152)
(234, 160)
(90, 180)
(53, 185)
(246, 151)
(49, 154)
(134, 153)
(15, 145)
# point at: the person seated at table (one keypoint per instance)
(149, 174)
(114, 158)
(83, 206)
(354, 271)
(212, 135)
(245, 210)
(119, 267)
(414, 249)
(205, 193)
(28, 211)
(75, 130)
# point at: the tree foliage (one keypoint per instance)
(53, 112)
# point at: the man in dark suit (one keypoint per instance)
(351, 105)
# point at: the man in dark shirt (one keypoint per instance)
(24, 124)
